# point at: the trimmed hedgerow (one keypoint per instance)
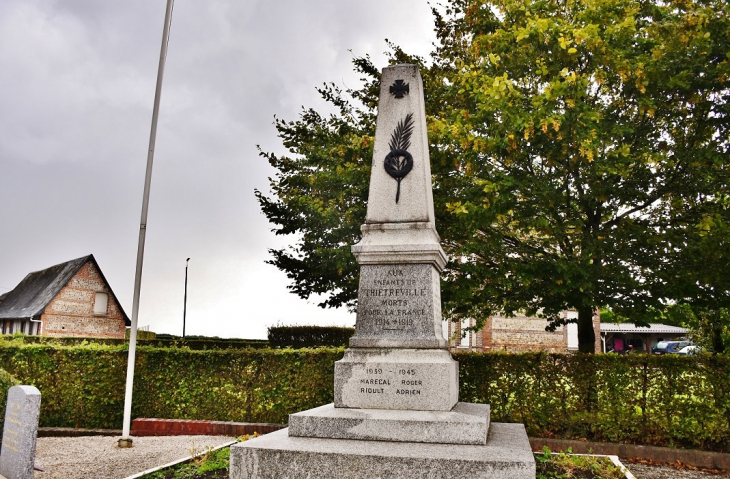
(667, 400)
(6, 382)
(161, 341)
(83, 386)
(655, 400)
(309, 336)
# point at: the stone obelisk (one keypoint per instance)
(398, 357)
(396, 410)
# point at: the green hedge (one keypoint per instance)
(83, 386)
(655, 400)
(667, 400)
(160, 342)
(203, 344)
(309, 336)
(6, 382)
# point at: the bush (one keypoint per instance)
(664, 400)
(161, 340)
(141, 334)
(309, 336)
(667, 400)
(6, 382)
(83, 386)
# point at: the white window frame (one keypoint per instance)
(97, 309)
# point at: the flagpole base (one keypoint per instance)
(124, 442)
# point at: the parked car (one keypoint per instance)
(690, 350)
(669, 347)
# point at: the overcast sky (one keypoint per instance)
(77, 80)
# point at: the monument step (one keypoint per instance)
(467, 423)
(506, 455)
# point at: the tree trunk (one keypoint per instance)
(718, 347)
(586, 335)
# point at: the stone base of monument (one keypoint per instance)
(506, 455)
(401, 379)
(465, 424)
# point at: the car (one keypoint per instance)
(669, 347)
(690, 350)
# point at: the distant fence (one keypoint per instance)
(655, 400)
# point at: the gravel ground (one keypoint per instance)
(645, 471)
(98, 457)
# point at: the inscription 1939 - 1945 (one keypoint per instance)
(391, 380)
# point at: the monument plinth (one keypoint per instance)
(396, 410)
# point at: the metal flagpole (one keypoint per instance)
(126, 440)
(185, 301)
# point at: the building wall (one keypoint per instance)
(516, 334)
(523, 333)
(71, 312)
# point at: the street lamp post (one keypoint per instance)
(185, 301)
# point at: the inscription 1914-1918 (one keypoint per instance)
(393, 301)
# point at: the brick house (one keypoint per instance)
(68, 299)
(517, 334)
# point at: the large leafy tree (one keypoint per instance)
(694, 273)
(573, 145)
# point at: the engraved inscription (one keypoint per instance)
(12, 422)
(393, 301)
(384, 378)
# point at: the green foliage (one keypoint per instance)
(83, 386)
(308, 336)
(202, 344)
(569, 466)
(209, 462)
(6, 382)
(162, 341)
(576, 146)
(320, 191)
(666, 400)
(141, 334)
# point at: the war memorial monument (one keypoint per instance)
(396, 410)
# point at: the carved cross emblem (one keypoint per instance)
(399, 88)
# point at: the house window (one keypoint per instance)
(572, 336)
(465, 335)
(100, 303)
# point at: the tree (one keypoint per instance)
(694, 273)
(571, 143)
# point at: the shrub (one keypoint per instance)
(664, 400)
(83, 386)
(161, 340)
(667, 400)
(309, 336)
(6, 382)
